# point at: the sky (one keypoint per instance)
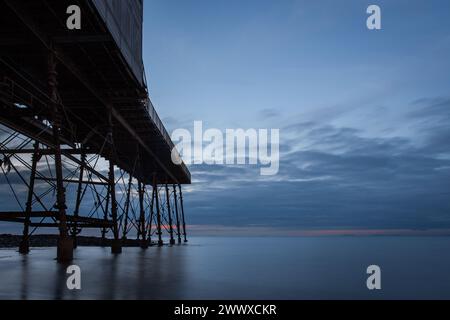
(363, 115)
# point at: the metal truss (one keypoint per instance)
(101, 197)
(57, 182)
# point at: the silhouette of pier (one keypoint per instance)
(81, 145)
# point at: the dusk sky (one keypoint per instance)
(363, 115)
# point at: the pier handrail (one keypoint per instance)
(162, 129)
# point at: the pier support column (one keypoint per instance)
(116, 246)
(158, 211)
(150, 222)
(105, 215)
(142, 230)
(176, 213)
(76, 212)
(169, 213)
(182, 214)
(127, 209)
(24, 247)
(65, 243)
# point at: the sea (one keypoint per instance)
(225, 268)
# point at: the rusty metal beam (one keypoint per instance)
(66, 152)
(71, 66)
(34, 214)
(176, 213)
(24, 247)
(65, 244)
(127, 208)
(158, 211)
(169, 213)
(81, 39)
(45, 151)
(98, 183)
(182, 214)
(28, 20)
(142, 230)
(75, 228)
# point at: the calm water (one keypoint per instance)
(239, 268)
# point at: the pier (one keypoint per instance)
(81, 145)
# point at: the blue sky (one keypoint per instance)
(364, 115)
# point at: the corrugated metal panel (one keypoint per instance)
(124, 21)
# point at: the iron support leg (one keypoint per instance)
(142, 231)
(127, 209)
(158, 212)
(76, 213)
(182, 214)
(105, 215)
(25, 244)
(116, 246)
(65, 244)
(150, 222)
(176, 213)
(169, 212)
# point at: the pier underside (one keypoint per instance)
(81, 146)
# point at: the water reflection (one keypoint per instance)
(60, 281)
(24, 278)
(233, 268)
(155, 273)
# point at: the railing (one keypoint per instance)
(162, 130)
(157, 121)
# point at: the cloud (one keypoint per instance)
(331, 178)
(337, 177)
(431, 118)
(269, 113)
